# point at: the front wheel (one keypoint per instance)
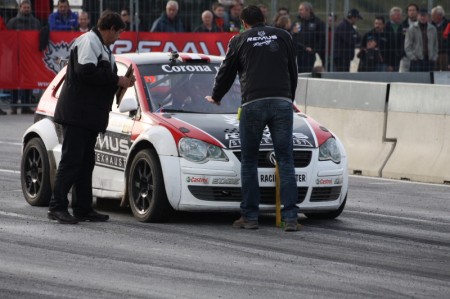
(329, 214)
(35, 173)
(147, 194)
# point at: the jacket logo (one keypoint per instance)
(56, 54)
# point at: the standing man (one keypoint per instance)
(309, 38)
(83, 22)
(383, 43)
(264, 58)
(421, 45)
(63, 19)
(440, 22)
(169, 21)
(413, 12)
(83, 111)
(345, 37)
(395, 30)
(23, 21)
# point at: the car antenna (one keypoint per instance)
(173, 58)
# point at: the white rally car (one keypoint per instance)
(166, 148)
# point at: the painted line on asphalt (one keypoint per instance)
(22, 216)
(10, 171)
(11, 143)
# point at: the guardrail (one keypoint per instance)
(390, 130)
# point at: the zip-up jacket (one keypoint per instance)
(264, 58)
(91, 81)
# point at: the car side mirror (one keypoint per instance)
(128, 104)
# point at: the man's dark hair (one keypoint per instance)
(412, 4)
(109, 20)
(252, 15)
(381, 18)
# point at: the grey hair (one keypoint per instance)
(394, 10)
(307, 5)
(439, 10)
(172, 3)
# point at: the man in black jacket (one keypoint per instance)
(345, 37)
(83, 111)
(309, 38)
(264, 58)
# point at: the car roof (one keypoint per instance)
(164, 57)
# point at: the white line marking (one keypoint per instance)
(11, 143)
(10, 171)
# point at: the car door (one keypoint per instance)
(112, 148)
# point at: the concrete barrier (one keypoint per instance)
(386, 77)
(419, 119)
(300, 93)
(355, 111)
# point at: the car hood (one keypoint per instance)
(224, 129)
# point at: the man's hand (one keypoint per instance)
(126, 82)
(211, 100)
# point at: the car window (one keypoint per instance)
(183, 89)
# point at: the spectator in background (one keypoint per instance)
(2, 27)
(23, 21)
(345, 37)
(234, 13)
(282, 11)
(83, 22)
(395, 30)
(169, 21)
(265, 12)
(310, 38)
(421, 45)
(284, 22)
(63, 19)
(219, 17)
(125, 15)
(412, 11)
(383, 45)
(207, 23)
(370, 56)
(42, 9)
(440, 22)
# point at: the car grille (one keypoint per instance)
(301, 159)
(233, 194)
(325, 193)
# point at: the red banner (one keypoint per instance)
(23, 66)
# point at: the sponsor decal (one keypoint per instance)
(193, 179)
(187, 68)
(111, 150)
(225, 181)
(324, 181)
(55, 53)
(271, 178)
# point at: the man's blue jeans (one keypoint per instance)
(278, 115)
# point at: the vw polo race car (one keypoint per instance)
(166, 148)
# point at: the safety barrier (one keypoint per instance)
(355, 111)
(418, 117)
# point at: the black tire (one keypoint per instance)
(146, 191)
(35, 173)
(328, 214)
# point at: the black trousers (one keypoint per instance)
(75, 170)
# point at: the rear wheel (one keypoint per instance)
(35, 173)
(329, 214)
(147, 194)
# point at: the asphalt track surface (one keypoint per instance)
(392, 241)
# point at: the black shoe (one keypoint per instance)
(62, 217)
(92, 216)
(2, 112)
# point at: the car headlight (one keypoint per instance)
(330, 151)
(199, 151)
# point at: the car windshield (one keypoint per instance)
(182, 89)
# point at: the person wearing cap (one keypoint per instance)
(384, 44)
(309, 38)
(345, 37)
(370, 58)
(412, 10)
(421, 44)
